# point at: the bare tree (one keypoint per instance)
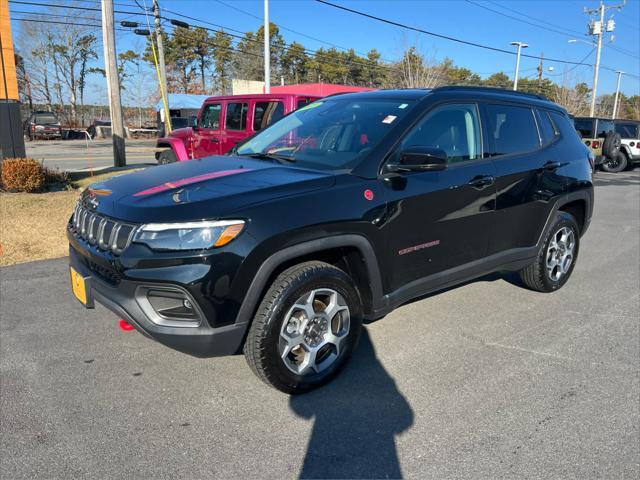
(571, 95)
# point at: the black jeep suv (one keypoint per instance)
(339, 212)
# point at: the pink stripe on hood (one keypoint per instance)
(188, 181)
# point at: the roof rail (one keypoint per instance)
(491, 89)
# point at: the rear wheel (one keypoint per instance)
(554, 264)
(167, 156)
(616, 163)
(305, 329)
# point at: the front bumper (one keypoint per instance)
(124, 300)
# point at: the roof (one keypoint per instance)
(318, 89)
(183, 100)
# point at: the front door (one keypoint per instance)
(206, 139)
(441, 219)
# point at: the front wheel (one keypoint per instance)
(167, 156)
(305, 329)
(556, 259)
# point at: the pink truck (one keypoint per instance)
(223, 122)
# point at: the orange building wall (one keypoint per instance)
(8, 55)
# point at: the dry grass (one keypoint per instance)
(34, 225)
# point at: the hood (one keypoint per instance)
(181, 132)
(207, 188)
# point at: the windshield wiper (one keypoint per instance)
(269, 156)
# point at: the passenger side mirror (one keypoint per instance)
(420, 159)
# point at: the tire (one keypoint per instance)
(167, 156)
(611, 144)
(615, 164)
(281, 338)
(539, 275)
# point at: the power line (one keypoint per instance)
(438, 35)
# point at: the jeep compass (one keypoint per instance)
(340, 212)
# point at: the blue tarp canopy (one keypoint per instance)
(179, 101)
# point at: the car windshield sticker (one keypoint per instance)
(389, 119)
(310, 106)
(404, 105)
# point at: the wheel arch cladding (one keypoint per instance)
(577, 209)
(351, 253)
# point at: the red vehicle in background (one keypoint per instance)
(225, 121)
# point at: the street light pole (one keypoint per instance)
(615, 100)
(267, 50)
(520, 46)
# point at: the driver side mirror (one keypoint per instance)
(193, 122)
(420, 159)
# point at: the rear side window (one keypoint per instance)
(237, 116)
(547, 130)
(604, 127)
(584, 128)
(512, 129)
(266, 113)
(627, 130)
(564, 125)
(211, 116)
(303, 102)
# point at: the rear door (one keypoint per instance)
(235, 124)
(265, 112)
(514, 146)
(206, 139)
(441, 219)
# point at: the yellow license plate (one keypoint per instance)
(79, 287)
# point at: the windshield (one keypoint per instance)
(331, 134)
(43, 118)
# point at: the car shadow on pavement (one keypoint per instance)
(356, 418)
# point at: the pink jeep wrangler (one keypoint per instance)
(223, 122)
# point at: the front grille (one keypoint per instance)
(109, 275)
(107, 234)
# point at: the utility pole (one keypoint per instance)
(161, 65)
(598, 28)
(113, 83)
(520, 46)
(615, 100)
(541, 68)
(267, 50)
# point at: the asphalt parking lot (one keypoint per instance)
(487, 380)
(89, 154)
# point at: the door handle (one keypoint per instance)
(481, 181)
(551, 166)
(215, 140)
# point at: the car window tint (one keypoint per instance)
(627, 130)
(237, 116)
(564, 125)
(512, 129)
(211, 116)
(266, 113)
(604, 127)
(452, 128)
(303, 102)
(547, 130)
(584, 128)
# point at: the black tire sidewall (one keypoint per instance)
(328, 277)
(563, 220)
(608, 144)
(166, 158)
(621, 165)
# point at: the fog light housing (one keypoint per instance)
(169, 306)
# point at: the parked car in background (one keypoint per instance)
(223, 122)
(341, 212)
(42, 125)
(99, 125)
(629, 131)
(600, 136)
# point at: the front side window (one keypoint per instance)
(328, 134)
(455, 129)
(211, 116)
(513, 129)
(266, 113)
(237, 116)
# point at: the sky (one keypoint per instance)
(494, 23)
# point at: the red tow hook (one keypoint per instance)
(126, 326)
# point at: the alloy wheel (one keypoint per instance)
(313, 331)
(560, 253)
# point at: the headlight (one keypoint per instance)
(188, 235)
